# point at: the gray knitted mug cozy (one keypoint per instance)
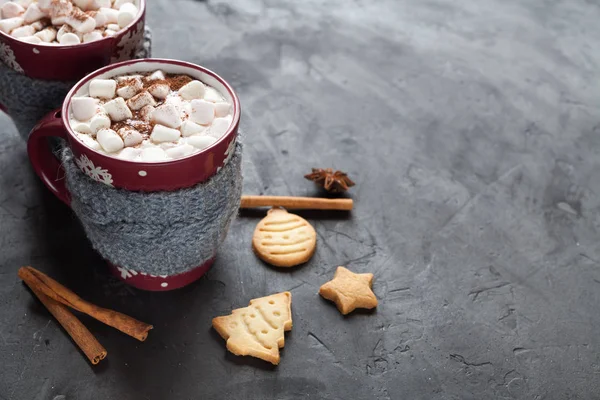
(28, 100)
(157, 233)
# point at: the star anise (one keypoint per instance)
(332, 181)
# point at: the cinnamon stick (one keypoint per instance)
(61, 294)
(88, 344)
(298, 203)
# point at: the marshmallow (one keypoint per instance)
(176, 101)
(33, 14)
(63, 29)
(109, 140)
(189, 128)
(192, 90)
(125, 78)
(38, 25)
(69, 39)
(97, 4)
(23, 3)
(212, 95)
(180, 151)
(157, 75)
(60, 8)
(203, 112)
(7, 25)
(99, 122)
(131, 88)
(83, 4)
(153, 154)
(31, 39)
(168, 145)
(159, 90)
(186, 110)
(129, 153)
(89, 142)
(141, 100)
(92, 36)
(111, 15)
(103, 88)
(219, 126)
(99, 18)
(118, 3)
(11, 10)
(44, 4)
(83, 108)
(201, 142)
(23, 31)
(47, 35)
(81, 22)
(58, 21)
(113, 27)
(146, 113)
(162, 134)
(131, 137)
(82, 127)
(109, 32)
(147, 143)
(222, 109)
(127, 14)
(117, 110)
(167, 115)
(128, 77)
(129, 6)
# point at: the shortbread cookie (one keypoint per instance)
(257, 330)
(349, 291)
(283, 239)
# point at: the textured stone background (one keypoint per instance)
(472, 130)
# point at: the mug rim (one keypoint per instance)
(187, 65)
(141, 12)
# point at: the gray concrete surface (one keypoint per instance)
(472, 130)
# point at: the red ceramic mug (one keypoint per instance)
(132, 175)
(70, 63)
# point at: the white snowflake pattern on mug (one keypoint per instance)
(96, 173)
(228, 153)
(129, 43)
(129, 273)
(8, 57)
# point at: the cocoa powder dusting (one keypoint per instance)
(136, 122)
(79, 15)
(46, 22)
(144, 128)
(115, 126)
(176, 82)
(148, 83)
(125, 82)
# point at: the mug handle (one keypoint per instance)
(3, 108)
(44, 162)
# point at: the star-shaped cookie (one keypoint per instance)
(349, 291)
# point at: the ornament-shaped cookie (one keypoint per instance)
(283, 239)
(258, 330)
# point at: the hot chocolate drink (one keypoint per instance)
(65, 22)
(150, 117)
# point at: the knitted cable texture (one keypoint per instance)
(159, 233)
